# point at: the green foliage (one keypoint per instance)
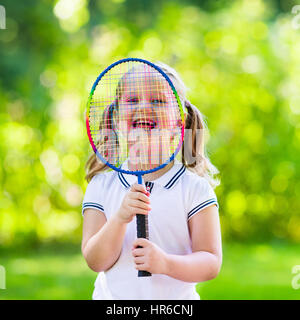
(58, 272)
(240, 60)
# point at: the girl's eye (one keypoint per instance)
(158, 101)
(132, 100)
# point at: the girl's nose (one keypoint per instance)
(143, 105)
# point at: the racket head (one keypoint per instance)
(115, 99)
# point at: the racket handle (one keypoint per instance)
(142, 231)
(142, 224)
(143, 273)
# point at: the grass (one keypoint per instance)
(258, 271)
(254, 272)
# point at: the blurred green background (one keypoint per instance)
(241, 61)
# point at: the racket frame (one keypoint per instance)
(119, 169)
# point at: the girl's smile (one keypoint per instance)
(147, 124)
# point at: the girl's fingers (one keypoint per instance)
(140, 211)
(139, 260)
(138, 187)
(144, 212)
(140, 205)
(138, 252)
(141, 266)
(141, 242)
(139, 196)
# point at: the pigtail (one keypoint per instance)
(93, 166)
(106, 127)
(193, 151)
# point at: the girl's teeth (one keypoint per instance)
(142, 124)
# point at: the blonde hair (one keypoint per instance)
(193, 153)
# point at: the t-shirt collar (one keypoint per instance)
(167, 180)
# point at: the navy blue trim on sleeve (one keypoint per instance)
(202, 206)
(92, 205)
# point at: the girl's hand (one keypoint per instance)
(150, 257)
(136, 201)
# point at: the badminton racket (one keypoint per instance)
(135, 122)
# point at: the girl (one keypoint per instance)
(184, 247)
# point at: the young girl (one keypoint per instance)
(184, 247)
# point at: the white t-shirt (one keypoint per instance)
(175, 197)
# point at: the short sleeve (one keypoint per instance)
(94, 194)
(202, 196)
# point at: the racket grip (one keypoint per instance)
(143, 273)
(142, 226)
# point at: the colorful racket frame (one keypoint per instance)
(140, 173)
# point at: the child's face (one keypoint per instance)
(147, 102)
(148, 114)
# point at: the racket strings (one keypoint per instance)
(134, 115)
